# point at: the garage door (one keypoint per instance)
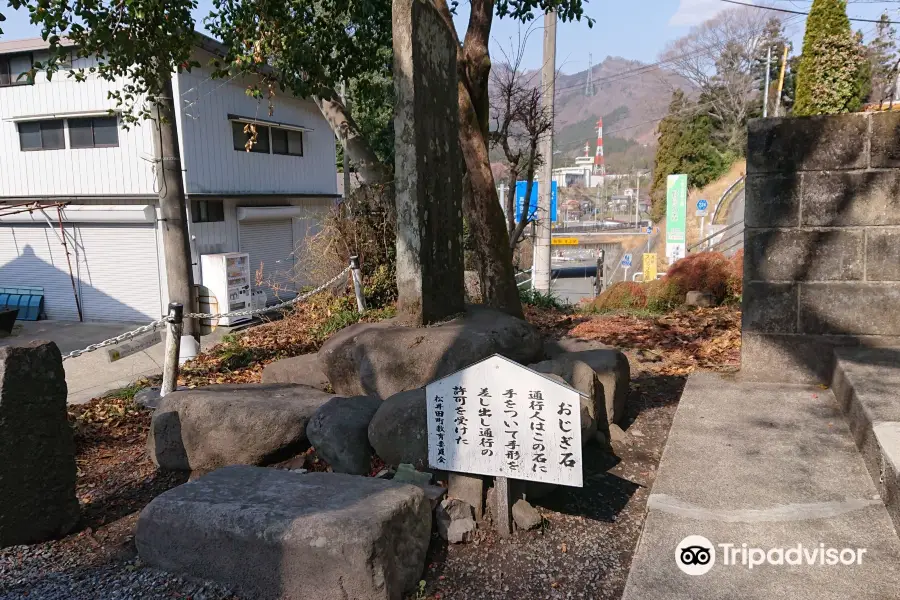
(32, 255)
(115, 267)
(119, 272)
(270, 245)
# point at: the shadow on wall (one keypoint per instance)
(46, 266)
(822, 242)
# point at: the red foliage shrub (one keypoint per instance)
(736, 279)
(704, 271)
(621, 295)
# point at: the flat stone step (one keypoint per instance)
(771, 466)
(866, 383)
(277, 534)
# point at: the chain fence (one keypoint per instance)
(150, 327)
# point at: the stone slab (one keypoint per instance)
(37, 450)
(769, 466)
(772, 200)
(777, 145)
(428, 165)
(803, 255)
(769, 307)
(883, 254)
(850, 308)
(885, 141)
(277, 534)
(303, 370)
(851, 199)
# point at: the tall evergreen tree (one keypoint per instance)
(831, 71)
(882, 54)
(685, 146)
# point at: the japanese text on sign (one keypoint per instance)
(499, 418)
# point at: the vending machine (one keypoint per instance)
(227, 276)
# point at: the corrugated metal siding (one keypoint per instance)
(271, 248)
(214, 166)
(93, 171)
(32, 255)
(118, 269)
(115, 266)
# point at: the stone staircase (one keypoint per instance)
(770, 466)
(866, 383)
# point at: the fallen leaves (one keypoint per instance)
(679, 342)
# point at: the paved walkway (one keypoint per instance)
(91, 375)
(770, 466)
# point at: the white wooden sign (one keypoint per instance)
(499, 418)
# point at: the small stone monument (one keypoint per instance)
(37, 450)
(428, 165)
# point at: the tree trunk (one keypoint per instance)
(369, 169)
(510, 201)
(485, 218)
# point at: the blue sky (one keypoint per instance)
(636, 29)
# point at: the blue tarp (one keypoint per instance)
(520, 200)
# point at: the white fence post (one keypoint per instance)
(174, 327)
(356, 274)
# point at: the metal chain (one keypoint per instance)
(118, 339)
(259, 311)
(240, 313)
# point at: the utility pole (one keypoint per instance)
(766, 91)
(540, 274)
(637, 202)
(781, 82)
(176, 245)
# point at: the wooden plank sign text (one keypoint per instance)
(499, 418)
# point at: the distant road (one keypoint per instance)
(735, 215)
(573, 280)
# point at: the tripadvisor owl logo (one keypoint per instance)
(695, 555)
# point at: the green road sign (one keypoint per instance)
(676, 212)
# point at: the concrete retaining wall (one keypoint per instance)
(822, 242)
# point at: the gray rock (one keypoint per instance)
(701, 299)
(399, 430)
(470, 488)
(525, 515)
(582, 377)
(618, 435)
(276, 534)
(461, 531)
(455, 520)
(302, 370)
(339, 431)
(613, 371)
(37, 450)
(218, 425)
(382, 359)
(406, 473)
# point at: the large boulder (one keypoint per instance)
(612, 370)
(381, 359)
(278, 534)
(399, 430)
(218, 425)
(339, 431)
(37, 450)
(302, 370)
(581, 377)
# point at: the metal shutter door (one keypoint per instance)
(119, 271)
(270, 245)
(33, 255)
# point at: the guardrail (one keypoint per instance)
(693, 247)
(723, 196)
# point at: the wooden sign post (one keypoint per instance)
(498, 418)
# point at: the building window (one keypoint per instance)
(207, 211)
(287, 141)
(94, 132)
(12, 67)
(41, 135)
(241, 137)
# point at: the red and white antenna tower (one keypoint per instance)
(599, 165)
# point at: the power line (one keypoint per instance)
(799, 12)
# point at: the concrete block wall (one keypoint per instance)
(821, 242)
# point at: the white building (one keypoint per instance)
(61, 149)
